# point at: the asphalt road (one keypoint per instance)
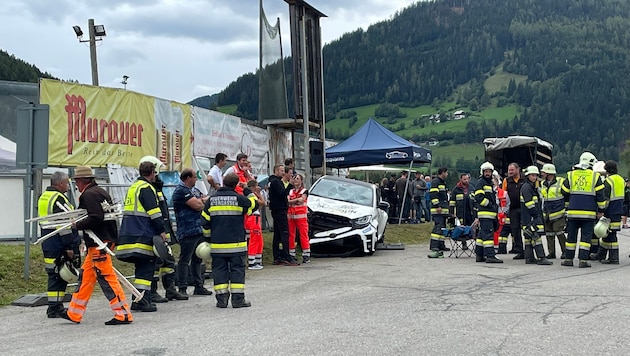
(395, 302)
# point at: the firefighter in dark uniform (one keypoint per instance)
(142, 221)
(165, 261)
(531, 219)
(461, 204)
(487, 208)
(224, 215)
(512, 185)
(583, 190)
(553, 210)
(62, 247)
(439, 213)
(614, 189)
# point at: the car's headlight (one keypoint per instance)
(361, 222)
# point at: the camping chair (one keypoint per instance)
(462, 239)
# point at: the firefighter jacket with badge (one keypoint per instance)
(531, 208)
(551, 192)
(583, 192)
(439, 196)
(224, 216)
(614, 189)
(142, 220)
(65, 239)
(486, 199)
(461, 204)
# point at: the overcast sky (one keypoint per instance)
(172, 49)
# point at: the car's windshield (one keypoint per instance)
(343, 191)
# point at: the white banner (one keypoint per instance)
(280, 145)
(255, 144)
(215, 132)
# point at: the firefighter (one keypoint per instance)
(141, 222)
(531, 221)
(97, 266)
(460, 203)
(224, 215)
(487, 208)
(554, 212)
(614, 188)
(62, 247)
(298, 220)
(583, 190)
(512, 185)
(439, 212)
(165, 261)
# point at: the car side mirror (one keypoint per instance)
(383, 205)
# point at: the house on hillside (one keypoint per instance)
(459, 114)
(433, 142)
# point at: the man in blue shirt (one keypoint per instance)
(187, 203)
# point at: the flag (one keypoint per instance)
(202, 183)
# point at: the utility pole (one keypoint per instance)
(93, 52)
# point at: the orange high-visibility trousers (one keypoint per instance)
(253, 225)
(98, 267)
(302, 226)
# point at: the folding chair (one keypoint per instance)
(462, 240)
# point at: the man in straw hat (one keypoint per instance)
(97, 266)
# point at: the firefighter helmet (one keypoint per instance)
(587, 160)
(68, 272)
(203, 251)
(599, 167)
(486, 166)
(159, 165)
(602, 227)
(531, 170)
(548, 168)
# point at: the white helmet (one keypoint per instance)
(531, 170)
(203, 251)
(159, 165)
(548, 168)
(68, 272)
(486, 166)
(599, 167)
(602, 227)
(587, 160)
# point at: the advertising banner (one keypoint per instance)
(255, 144)
(215, 132)
(95, 126)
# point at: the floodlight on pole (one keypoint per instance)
(124, 81)
(94, 32)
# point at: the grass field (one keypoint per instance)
(500, 80)
(13, 285)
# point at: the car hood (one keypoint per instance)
(336, 207)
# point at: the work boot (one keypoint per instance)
(600, 255)
(155, 296)
(144, 305)
(436, 254)
(168, 281)
(480, 259)
(502, 249)
(613, 258)
(544, 262)
(567, 262)
(201, 290)
(519, 256)
(238, 301)
(182, 291)
(584, 264)
(493, 259)
(529, 255)
(551, 256)
(55, 311)
(222, 300)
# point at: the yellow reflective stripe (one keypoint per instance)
(134, 246)
(556, 215)
(485, 202)
(205, 215)
(55, 294)
(154, 211)
(237, 286)
(49, 260)
(229, 245)
(486, 214)
(142, 282)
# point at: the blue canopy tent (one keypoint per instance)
(375, 144)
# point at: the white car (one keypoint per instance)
(345, 216)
